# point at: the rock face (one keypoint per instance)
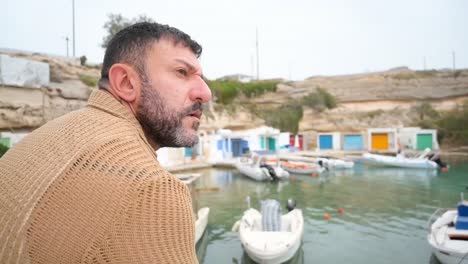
(379, 99)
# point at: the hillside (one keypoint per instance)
(380, 99)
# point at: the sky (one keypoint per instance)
(297, 39)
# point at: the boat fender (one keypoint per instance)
(291, 204)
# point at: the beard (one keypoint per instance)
(163, 124)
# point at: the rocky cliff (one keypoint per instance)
(380, 99)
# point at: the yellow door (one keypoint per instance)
(380, 141)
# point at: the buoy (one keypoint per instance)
(292, 178)
(340, 210)
(326, 216)
(314, 174)
(444, 169)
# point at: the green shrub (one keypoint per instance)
(425, 110)
(227, 91)
(89, 80)
(320, 100)
(374, 114)
(254, 89)
(453, 126)
(3, 149)
(285, 117)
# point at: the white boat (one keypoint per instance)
(270, 237)
(335, 163)
(201, 222)
(188, 178)
(301, 167)
(257, 169)
(399, 161)
(448, 235)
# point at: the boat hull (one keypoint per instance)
(381, 160)
(201, 222)
(271, 247)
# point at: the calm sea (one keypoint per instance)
(385, 211)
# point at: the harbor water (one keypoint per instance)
(377, 215)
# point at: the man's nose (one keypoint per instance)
(200, 91)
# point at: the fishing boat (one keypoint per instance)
(269, 237)
(301, 167)
(201, 222)
(399, 161)
(448, 234)
(257, 169)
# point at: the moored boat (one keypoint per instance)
(448, 234)
(269, 237)
(399, 161)
(257, 169)
(301, 167)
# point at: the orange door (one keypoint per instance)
(380, 141)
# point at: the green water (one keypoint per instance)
(384, 219)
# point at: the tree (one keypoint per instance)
(117, 22)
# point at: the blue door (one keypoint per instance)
(353, 142)
(326, 141)
(188, 152)
(236, 147)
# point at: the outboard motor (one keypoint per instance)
(291, 204)
(436, 158)
(271, 171)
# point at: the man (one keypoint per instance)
(86, 187)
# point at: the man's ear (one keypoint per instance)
(124, 82)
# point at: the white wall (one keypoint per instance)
(23, 72)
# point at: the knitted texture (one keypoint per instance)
(87, 188)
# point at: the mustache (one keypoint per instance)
(196, 106)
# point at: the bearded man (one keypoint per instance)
(87, 187)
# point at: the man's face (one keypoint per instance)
(172, 93)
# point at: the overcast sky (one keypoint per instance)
(297, 38)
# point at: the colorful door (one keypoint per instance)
(353, 142)
(326, 141)
(262, 143)
(301, 142)
(380, 141)
(292, 140)
(424, 141)
(271, 144)
(188, 152)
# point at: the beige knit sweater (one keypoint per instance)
(86, 188)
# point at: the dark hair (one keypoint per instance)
(131, 44)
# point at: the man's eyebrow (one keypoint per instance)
(188, 65)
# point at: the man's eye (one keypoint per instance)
(182, 71)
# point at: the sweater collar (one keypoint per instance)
(105, 101)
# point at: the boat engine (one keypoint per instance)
(271, 171)
(291, 204)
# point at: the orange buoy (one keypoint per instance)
(444, 169)
(340, 210)
(326, 216)
(292, 178)
(314, 174)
